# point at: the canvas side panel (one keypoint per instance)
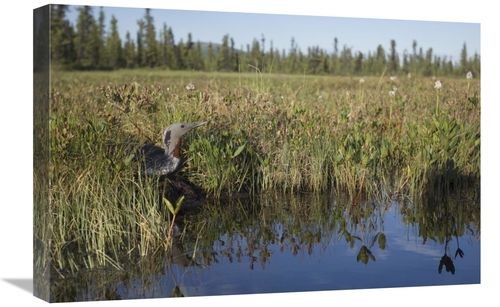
(41, 92)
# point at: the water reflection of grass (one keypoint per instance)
(277, 133)
(253, 230)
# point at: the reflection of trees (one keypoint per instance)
(439, 219)
(249, 230)
(253, 230)
(369, 224)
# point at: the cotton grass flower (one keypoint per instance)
(392, 95)
(190, 87)
(437, 86)
(361, 89)
(469, 77)
(393, 78)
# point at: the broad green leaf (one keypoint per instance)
(239, 150)
(169, 205)
(178, 205)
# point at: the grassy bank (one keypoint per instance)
(293, 133)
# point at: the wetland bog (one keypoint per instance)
(373, 177)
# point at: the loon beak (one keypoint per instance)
(195, 125)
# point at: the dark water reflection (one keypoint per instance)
(299, 244)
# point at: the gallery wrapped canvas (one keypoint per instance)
(190, 153)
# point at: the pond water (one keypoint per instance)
(307, 243)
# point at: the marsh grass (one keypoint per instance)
(266, 133)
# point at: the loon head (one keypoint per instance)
(172, 137)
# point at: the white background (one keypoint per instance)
(16, 148)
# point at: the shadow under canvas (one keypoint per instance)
(22, 283)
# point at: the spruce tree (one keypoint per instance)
(393, 58)
(114, 46)
(85, 29)
(427, 69)
(141, 52)
(100, 39)
(62, 37)
(223, 56)
(171, 50)
(464, 65)
(150, 46)
(129, 53)
(210, 60)
(358, 63)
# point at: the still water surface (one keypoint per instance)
(247, 246)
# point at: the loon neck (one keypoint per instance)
(176, 152)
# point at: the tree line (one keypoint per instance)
(88, 45)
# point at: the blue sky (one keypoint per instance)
(359, 34)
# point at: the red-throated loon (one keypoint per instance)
(163, 161)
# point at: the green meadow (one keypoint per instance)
(363, 138)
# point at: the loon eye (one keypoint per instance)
(182, 126)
